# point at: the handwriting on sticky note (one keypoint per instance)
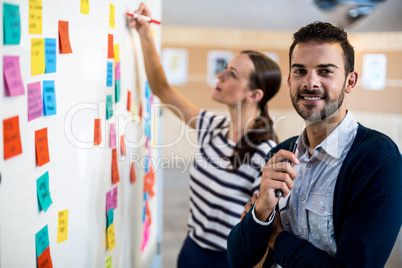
(110, 54)
(42, 188)
(128, 100)
(11, 24)
(49, 98)
(42, 147)
(110, 216)
(112, 135)
(109, 262)
(35, 17)
(38, 64)
(109, 81)
(11, 137)
(117, 90)
(111, 16)
(64, 36)
(85, 7)
(41, 241)
(62, 226)
(50, 55)
(110, 237)
(45, 260)
(115, 168)
(97, 132)
(35, 104)
(14, 85)
(114, 195)
(109, 107)
(109, 201)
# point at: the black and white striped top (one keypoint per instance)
(217, 197)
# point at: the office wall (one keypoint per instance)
(80, 173)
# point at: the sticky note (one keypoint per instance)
(122, 145)
(97, 132)
(110, 216)
(109, 262)
(117, 90)
(111, 16)
(41, 241)
(14, 85)
(50, 55)
(44, 260)
(11, 24)
(117, 75)
(114, 195)
(49, 98)
(112, 135)
(35, 104)
(110, 237)
(64, 37)
(109, 81)
(110, 52)
(132, 173)
(128, 100)
(85, 7)
(109, 201)
(42, 147)
(109, 107)
(35, 17)
(11, 137)
(38, 63)
(42, 187)
(116, 52)
(115, 168)
(62, 226)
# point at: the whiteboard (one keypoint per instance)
(79, 172)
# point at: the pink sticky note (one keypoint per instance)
(12, 76)
(109, 201)
(35, 104)
(112, 136)
(117, 75)
(115, 197)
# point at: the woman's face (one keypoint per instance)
(233, 83)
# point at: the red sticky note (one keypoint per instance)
(110, 51)
(115, 169)
(122, 145)
(64, 37)
(42, 147)
(12, 76)
(128, 100)
(44, 260)
(97, 132)
(11, 137)
(35, 101)
(132, 173)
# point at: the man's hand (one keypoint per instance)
(275, 231)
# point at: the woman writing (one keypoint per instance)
(226, 170)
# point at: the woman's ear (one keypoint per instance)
(255, 96)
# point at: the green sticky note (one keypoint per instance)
(110, 215)
(42, 186)
(117, 90)
(11, 24)
(109, 106)
(41, 241)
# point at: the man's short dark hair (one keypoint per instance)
(324, 32)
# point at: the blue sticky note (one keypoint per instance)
(109, 106)
(49, 98)
(117, 90)
(11, 24)
(42, 186)
(42, 241)
(110, 215)
(50, 55)
(109, 74)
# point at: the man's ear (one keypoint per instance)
(255, 95)
(351, 81)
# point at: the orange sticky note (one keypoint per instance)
(110, 51)
(97, 132)
(128, 100)
(44, 260)
(42, 147)
(115, 169)
(11, 137)
(64, 37)
(133, 178)
(122, 145)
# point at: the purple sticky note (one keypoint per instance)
(117, 75)
(35, 104)
(115, 197)
(109, 201)
(112, 136)
(12, 76)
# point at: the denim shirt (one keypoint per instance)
(307, 211)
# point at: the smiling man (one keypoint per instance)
(341, 204)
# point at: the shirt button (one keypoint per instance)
(301, 232)
(322, 209)
(303, 197)
(309, 165)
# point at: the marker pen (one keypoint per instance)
(135, 15)
(292, 148)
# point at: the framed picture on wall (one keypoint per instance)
(217, 60)
(175, 64)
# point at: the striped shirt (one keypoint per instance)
(217, 197)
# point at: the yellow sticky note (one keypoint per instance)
(109, 262)
(37, 56)
(35, 17)
(84, 6)
(116, 53)
(110, 237)
(62, 226)
(111, 16)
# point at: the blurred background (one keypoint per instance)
(199, 34)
